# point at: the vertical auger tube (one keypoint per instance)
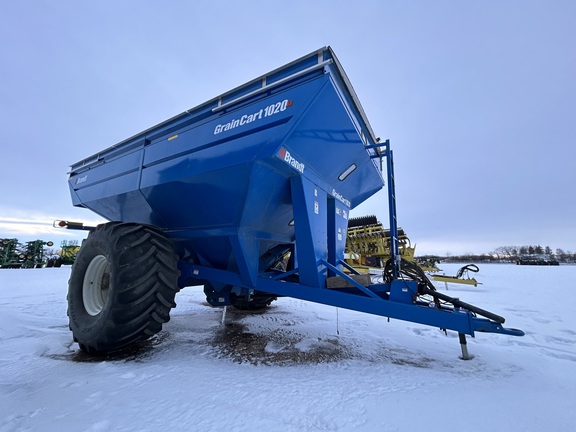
(394, 243)
(394, 250)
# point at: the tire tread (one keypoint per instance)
(146, 276)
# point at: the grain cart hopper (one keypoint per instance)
(248, 194)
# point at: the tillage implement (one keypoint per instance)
(249, 195)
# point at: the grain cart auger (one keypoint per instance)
(248, 194)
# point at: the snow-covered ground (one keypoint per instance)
(298, 367)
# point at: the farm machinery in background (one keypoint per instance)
(369, 247)
(462, 276)
(368, 244)
(66, 256)
(537, 259)
(34, 254)
(28, 255)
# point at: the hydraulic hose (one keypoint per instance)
(425, 286)
(470, 267)
(458, 303)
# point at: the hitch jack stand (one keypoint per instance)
(465, 355)
(223, 320)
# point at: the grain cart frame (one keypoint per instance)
(248, 194)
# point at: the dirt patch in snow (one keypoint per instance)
(276, 347)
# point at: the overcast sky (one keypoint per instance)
(477, 98)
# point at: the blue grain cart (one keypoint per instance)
(248, 194)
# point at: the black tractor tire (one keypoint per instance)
(122, 286)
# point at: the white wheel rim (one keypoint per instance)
(96, 285)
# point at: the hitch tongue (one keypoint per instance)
(463, 344)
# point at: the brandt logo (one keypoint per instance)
(287, 157)
(80, 180)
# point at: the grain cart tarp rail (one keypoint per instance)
(248, 194)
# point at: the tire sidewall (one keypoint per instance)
(89, 329)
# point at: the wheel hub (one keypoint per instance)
(96, 285)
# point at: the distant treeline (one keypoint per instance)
(509, 254)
